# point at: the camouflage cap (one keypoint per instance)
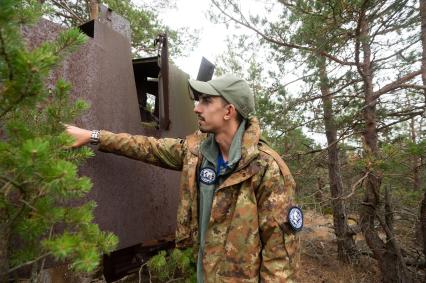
(234, 90)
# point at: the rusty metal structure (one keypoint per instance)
(148, 96)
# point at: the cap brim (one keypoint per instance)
(199, 87)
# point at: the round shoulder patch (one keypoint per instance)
(295, 218)
(207, 176)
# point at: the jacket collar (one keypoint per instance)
(210, 150)
(249, 143)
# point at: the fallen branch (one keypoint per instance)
(140, 272)
(29, 262)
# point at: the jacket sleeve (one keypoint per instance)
(167, 152)
(279, 243)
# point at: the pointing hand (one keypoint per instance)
(81, 136)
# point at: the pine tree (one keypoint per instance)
(38, 170)
(175, 265)
(360, 59)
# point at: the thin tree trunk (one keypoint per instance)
(423, 222)
(388, 255)
(415, 161)
(345, 242)
(388, 209)
(319, 192)
(423, 38)
(94, 9)
(4, 255)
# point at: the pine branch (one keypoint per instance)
(29, 262)
(69, 42)
(414, 86)
(395, 84)
(49, 238)
(64, 6)
(399, 52)
(298, 79)
(388, 18)
(291, 5)
(401, 120)
(406, 112)
(345, 86)
(353, 187)
(341, 137)
(4, 53)
(297, 127)
(31, 202)
(28, 204)
(14, 217)
(21, 97)
(60, 14)
(8, 180)
(283, 43)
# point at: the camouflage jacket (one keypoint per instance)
(248, 238)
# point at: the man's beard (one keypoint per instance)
(204, 130)
(200, 127)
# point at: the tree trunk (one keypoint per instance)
(345, 242)
(423, 222)
(423, 38)
(319, 192)
(4, 255)
(94, 9)
(388, 255)
(415, 160)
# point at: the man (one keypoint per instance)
(235, 193)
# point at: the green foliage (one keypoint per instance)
(401, 160)
(277, 111)
(39, 172)
(175, 264)
(144, 20)
(324, 47)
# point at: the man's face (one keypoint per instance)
(211, 111)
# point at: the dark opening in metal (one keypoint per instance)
(129, 260)
(88, 28)
(146, 72)
(206, 70)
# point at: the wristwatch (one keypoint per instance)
(94, 136)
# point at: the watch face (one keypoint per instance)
(94, 136)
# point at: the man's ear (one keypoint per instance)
(231, 112)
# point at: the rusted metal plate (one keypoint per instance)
(136, 201)
(182, 117)
(115, 21)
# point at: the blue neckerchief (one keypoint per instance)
(221, 163)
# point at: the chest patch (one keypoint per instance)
(295, 218)
(207, 176)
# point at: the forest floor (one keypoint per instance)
(318, 258)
